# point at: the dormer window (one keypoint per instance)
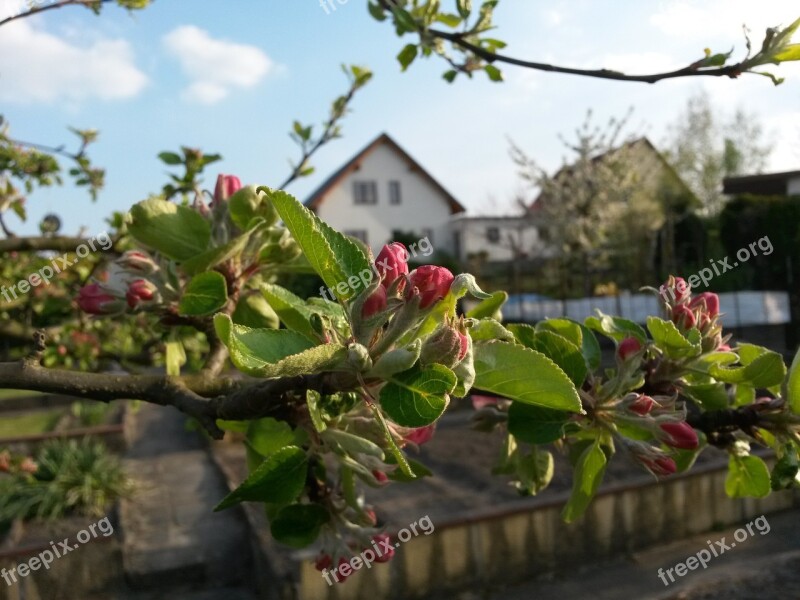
(365, 192)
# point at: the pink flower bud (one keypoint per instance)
(375, 303)
(380, 476)
(724, 348)
(385, 547)
(227, 186)
(140, 262)
(479, 402)
(642, 405)
(447, 346)
(94, 300)
(420, 435)
(432, 282)
(683, 317)
(392, 262)
(140, 291)
(708, 302)
(324, 561)
(28, 466)
(662, 466)
(628, 348)
(679, 289)
(679, 435)
(5, 462)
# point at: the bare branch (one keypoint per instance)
(45, 7)
(41, 243)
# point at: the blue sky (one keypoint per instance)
(230, 77)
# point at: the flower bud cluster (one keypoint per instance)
(700, 312)
(133, 282)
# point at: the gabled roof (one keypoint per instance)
(319, 195)
(564, 171)
(766, 184)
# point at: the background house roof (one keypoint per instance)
(319, 195)
(767, 184)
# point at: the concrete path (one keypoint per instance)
(173, 543)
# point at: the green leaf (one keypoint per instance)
(523, 374)
(489, 308)
(616, 328)
(765, 371)
(536, 425)
(298, 525)
(667, 337)
(494, 73)
(353, 444)
(793, 385)
(564, 353)
(588, 475)
(175, 357)
(170, 158)
(448, 19)
(404, 21)
(488, 330)
(215, 256)
(334, 256)
(789, 53)
(464, 8)
(313, 399)
(748, 476)
(418, 397)
(407, 55)
(524, 334)
(376, 11)
(279, 479)
(450, 76)
(267, 436)
(291, 309)
(785, 472)
(177, 232)
(254, 311)
(205, 294)
(710, 396)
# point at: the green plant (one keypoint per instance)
(72, 477)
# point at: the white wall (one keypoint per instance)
(422, 205)
(474, 238)
(793, 187)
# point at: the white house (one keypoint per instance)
(383, 189)
(497, 239)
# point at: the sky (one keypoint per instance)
(231, 77)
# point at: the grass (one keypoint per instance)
(13, 394)
(33, 423)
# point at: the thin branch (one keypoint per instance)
(6, 231)
(41, 243)
(732, 71)
(40, 9)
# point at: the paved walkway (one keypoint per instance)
(174, 545)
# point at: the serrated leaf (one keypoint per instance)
(616, 328)
(254, 311)
(267, 436)
(419, 396)
(250, 203)
(298, 525)
(177, 232)
(215, 256)
(333, 255)
(765, 371)
(667, 337)
(589, 471)
(279, 479)
(793, 385)
(536, 425)
(205, 294)
(291, 309)
(710, 396)
(525, 375)
(564, 353)
(748, 476)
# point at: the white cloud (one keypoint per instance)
(692, 18)
(215, 66)
(37, 66)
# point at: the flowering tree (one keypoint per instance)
(332, 399)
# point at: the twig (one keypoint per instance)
(39, 9)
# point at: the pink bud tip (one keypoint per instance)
(628, 347)
(680, 435)
(432, 282)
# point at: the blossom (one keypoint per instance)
(375, 303)
(642, 405)
(227, 186)
(133, 260)
(140, 291)
(95, 300)
(420, 435)
(432, 282)
(708, 302)
(392, 262)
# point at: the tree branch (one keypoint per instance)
(732, 71)
(61, 4)
(40, 243)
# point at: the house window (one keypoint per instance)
(359, 234)
(493, 235)
(365, 192)
(394, 192)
